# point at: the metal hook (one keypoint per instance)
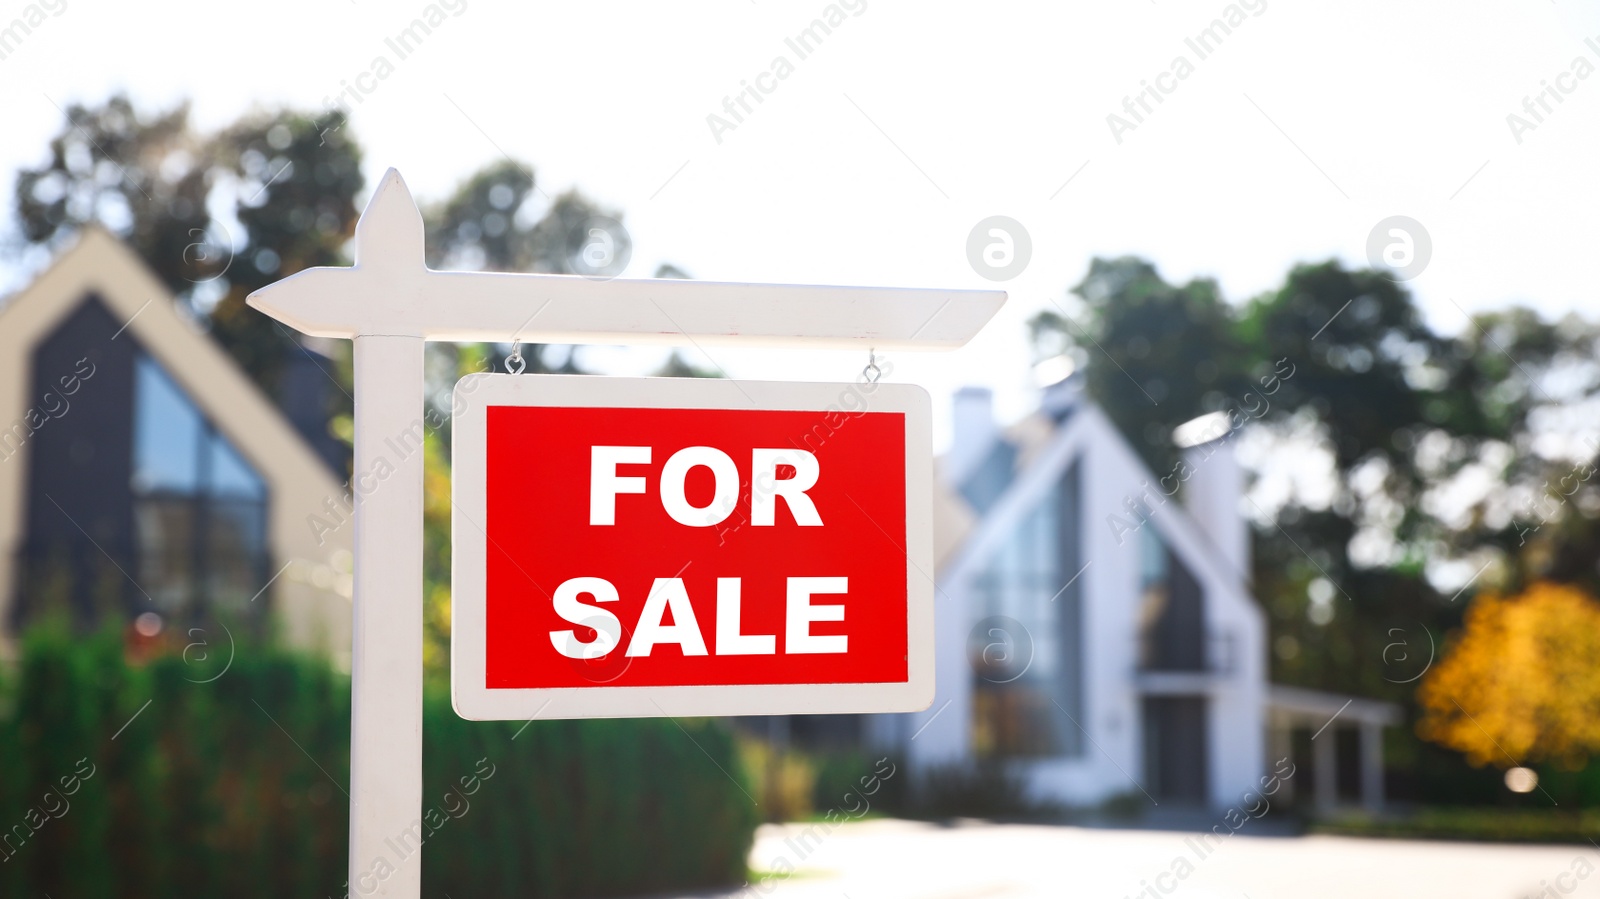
(872, 372)
(514, 363)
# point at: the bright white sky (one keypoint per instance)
(975, 110)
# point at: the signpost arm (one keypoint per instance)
(386, 689)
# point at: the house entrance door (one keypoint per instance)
(1175, 757)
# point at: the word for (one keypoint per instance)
(363, 484)
(409, 842)
(803, 44)
(1140, 506)
(850, 405)
(52, 405)
(1566, 881)
(605, 484)
(53, 805)
(1566, 82)
(668, 594)
(32, 17)
(403, 44)
(1203, 44)
(1232, 821)
(782, 867)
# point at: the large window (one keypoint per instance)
(1172, 631)
(1027, 649)
(199, 508)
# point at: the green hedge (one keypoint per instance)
(1509, 825)
(236, 787)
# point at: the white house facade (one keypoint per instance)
(1096, 633)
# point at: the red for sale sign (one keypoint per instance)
(689, 546)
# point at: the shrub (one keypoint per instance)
(1519, 683)
(982, 790)
(784, 779)
(1533, 825)
(236, 787)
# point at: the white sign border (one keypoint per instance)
(468, 610)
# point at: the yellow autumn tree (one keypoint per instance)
(1521, 682)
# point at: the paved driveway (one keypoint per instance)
(892, 859)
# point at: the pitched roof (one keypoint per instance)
(1038, 449)
(100, 265)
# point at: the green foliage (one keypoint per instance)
(295, 179)
(1580, 788)
(132, 173)
(482, 225)
(1154, 352)
(1527, 825)
(283, 185)
(493, 222)
(1408, 422)
(1399, 412)
(984, 790)
(783, 778)
(200, 793)
(236, 787)
(287, 179)
(1333, 357)
(1125, 806)
(500, 220)
(842, 772)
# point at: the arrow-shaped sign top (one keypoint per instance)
(391, 291)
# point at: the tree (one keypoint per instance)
(494, 222)
(288, 179)
(1155, 355)
(283, 186)
(294, 179)
(1406, 422)
(1520, 682)
(1337, 571)
(143, 177)
(485, 224)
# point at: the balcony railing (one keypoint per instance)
(1215, 655)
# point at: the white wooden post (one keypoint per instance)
(386, 656)
(389, 303)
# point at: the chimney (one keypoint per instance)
(1061, 398)
(973, 432)
(1214, 490)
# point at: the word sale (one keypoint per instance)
(668, 595)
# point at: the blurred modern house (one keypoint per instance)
(1096, 631)
(141, 471)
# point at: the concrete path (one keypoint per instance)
(890, 859)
